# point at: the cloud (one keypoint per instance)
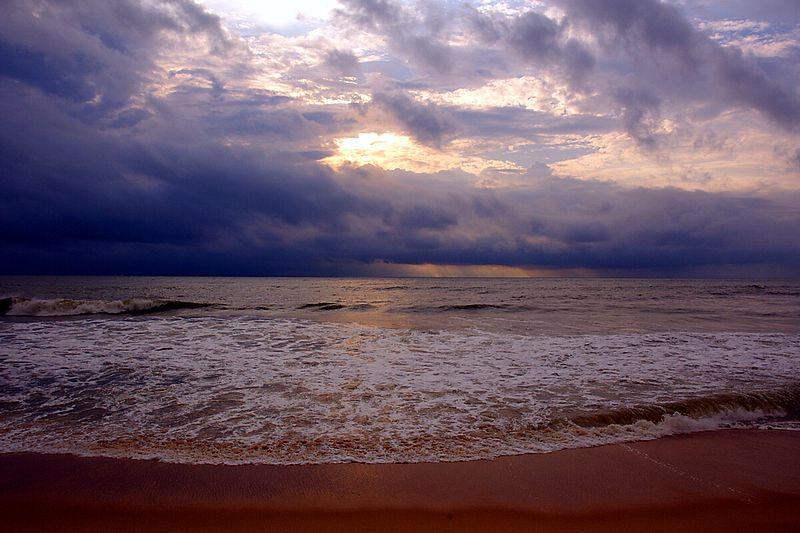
(677, 61)
(644, 57)
(342, 62)
(425, 122)
(540, 40)
(224, 209)
(414, 33)
(641, 109)
(98, 54)
(144, 138)
(773, 11)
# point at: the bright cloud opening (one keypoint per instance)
(392, 151)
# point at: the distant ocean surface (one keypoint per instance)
(289, 370)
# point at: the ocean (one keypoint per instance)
(316, 370)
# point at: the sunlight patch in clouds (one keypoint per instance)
(431, 270)
(277, 14)
(717, 158)
(392, 151)
(529, 92)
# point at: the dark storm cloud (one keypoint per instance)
(435, 125)
(101, 175)
(639, 109)
(281, 124)
(679, 61)
(422, 36)
(176, 182)
(540, 40)
(525, 123)
(96, 53)
(426, 217)
(342, 62)
(215, 86)
(652, 56)
(93, 202)
(605, 222)
(410, 34)
(571, 223)
(426, 122)
(744, 82)
(86, 186)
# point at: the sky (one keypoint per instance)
(387, 137)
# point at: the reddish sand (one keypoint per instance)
(738, 480)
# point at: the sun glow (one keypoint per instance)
(392, 151)
(386, 150)
(431, 270)
(374, 143)
(272, 13)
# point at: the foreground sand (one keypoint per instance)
(738, 480)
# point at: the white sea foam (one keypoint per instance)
(239, 390)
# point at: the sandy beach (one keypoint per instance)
(732, 480)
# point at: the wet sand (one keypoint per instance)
(736, 480)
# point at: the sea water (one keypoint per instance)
(288, 370)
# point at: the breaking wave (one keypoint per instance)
(335, 306)
(244, 389)
(19, 306)
(488, 441)
(323, 306)
(445, 308)
(785, 402)
(756, 289)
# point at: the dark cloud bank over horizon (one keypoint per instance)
(103, 175)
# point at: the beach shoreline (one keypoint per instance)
(720, 480)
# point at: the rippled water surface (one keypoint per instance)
(325, 370)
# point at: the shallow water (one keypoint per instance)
(329, 370)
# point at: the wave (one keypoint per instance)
(476, 307)
(323, 306)
(411, 395)
(785, 402)
(19, 306)
(755, 289)
(481, 442)
(470, 307)
(334, 306)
